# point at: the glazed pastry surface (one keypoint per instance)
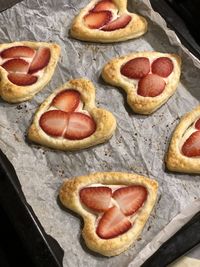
(148, 78)
(106, 22)
(63, 124)
(25, 68)
(99, 234)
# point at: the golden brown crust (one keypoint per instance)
(139, 104)
(14, 93)
(105, 121)
(136, 27)
(175, 160)
(69, 196)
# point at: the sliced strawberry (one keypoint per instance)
(112, 224)
(151, 85)
(96, 20)
(191, 147)
(54, 122)
(162, 66)
(17, 51)
(22, 79)
(40, 60)
(16, 65)
(197, 124)
(118, 23)
(136, 68)
(104, 5)
(96, 198)
(130, 198)
(67, 100)
(79, 126)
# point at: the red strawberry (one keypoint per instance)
(104, 5)
(96, 198)
(22, 79)
(191, 147)
(113, 223)
(197, 124)
(67, 100)
(162, 66)
(96, 20)
(151, 85)
(130, 198)
(54, 122)
(40, 60)
(79, 126)
(118, 23)
(16, 65)
(136, 68)
(17, 51)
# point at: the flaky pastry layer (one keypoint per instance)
(14, 93)
(69, 196)
(105, 121)
(175, 160)
(136, 27)
(140, 104)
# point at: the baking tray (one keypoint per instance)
(43, 249)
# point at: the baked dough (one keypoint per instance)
(13, 93)
(69, 196)
(140, 104)
(135, 28)
(175, 159)
(105, 121)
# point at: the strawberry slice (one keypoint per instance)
(130, 198)
(40, 60)
(17, 51)
(118, 23)
(96, 198)
(162, 66)
(16, 65)
(22, 79)
(191, 147)
(151, 85)
(197, 124)
(136, 68)
(79, 126)
(96, 20)
(54, 122)
(113, 223)
(67, 100)
(104, 5)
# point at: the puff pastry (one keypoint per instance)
(148, 78)
(107, 21)
(184, 149)
(69, 120)
(114, 206)
(25, 68)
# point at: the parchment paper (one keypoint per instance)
(138, 145)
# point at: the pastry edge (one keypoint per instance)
(106, 122)
(13, 93)
(174, 160)
(142, 105)
(115, 246)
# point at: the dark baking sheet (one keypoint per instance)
(41, 248)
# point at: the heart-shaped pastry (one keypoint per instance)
(25, 68)
(107, 21)
(184, 149)
(114, 206)
(69, 120)
(148, 78)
